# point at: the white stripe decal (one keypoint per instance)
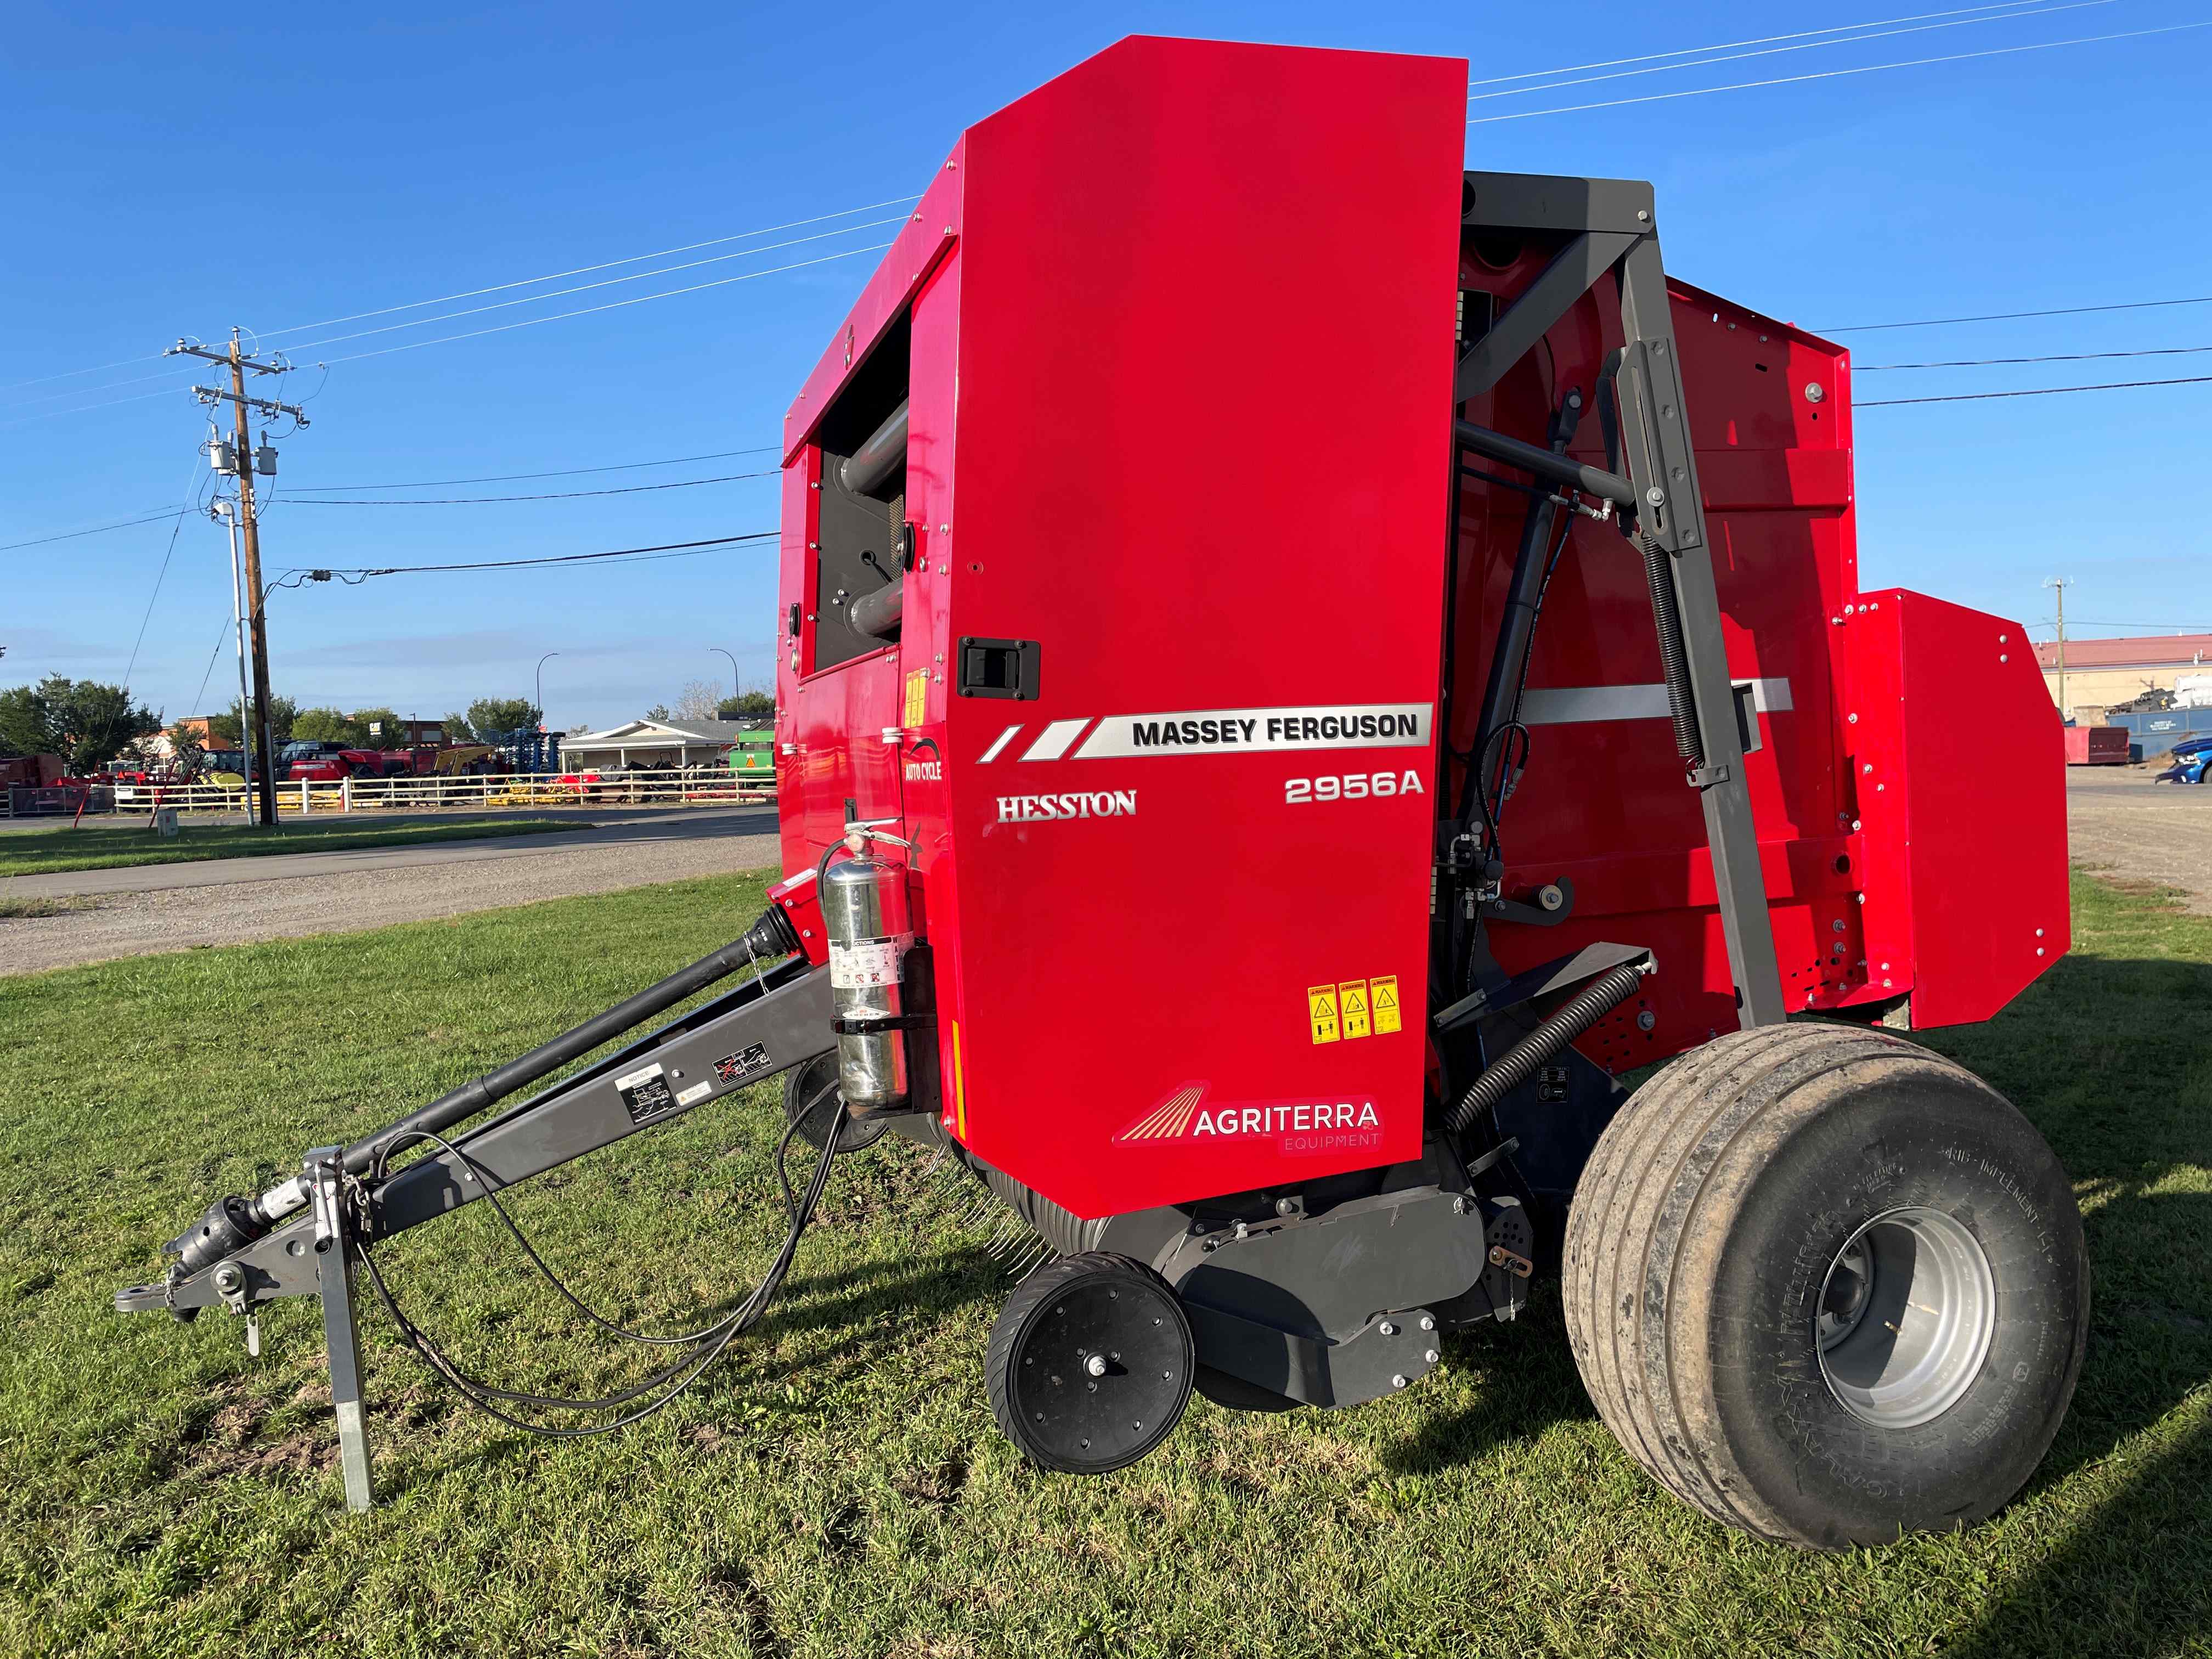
(1055, 740)
(1005, 738)
(1578, 705)
(1234, 731)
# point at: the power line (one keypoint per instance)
(471, 293)
(1810, 45)
(665, 549)
(2037, 391)
(2060, 357)
(97, 530)
(582, 270)
(608, 281)
(613, 304)
(191, 500)
(1829, 74)
(553, 496)
(1725, 45)
(564, 472)
(2017, 316)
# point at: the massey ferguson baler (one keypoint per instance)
(1299, 666)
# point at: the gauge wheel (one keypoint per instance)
(805, 1084)
(1090, 1365)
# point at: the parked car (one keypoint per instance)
(2190, 759)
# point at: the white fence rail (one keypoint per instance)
(407, 794)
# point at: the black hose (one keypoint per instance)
(1562, 1026)
(770, 937)
(1689, 742)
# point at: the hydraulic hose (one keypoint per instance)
(1562, 1026)
(1689, 741)
(231, 1224)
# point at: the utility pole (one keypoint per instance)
(2059, 585)
(244, 459)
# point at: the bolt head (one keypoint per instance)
(1431, 1356)
(1398, 1382)
(1645, 1019)
(1388, 1328)
(1815, 392)
(1095, 1365)
(1654, 495)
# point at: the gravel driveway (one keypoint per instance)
(2119, 822)
(311, 899)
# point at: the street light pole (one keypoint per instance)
(541, 662)
(733, 671)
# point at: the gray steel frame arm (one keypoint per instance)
(785, 1015)
(1614, 230)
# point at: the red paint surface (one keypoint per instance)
(1180, 337)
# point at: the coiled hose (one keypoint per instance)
(1562, 1026)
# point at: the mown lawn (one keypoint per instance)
(838, 1488)
(105, 846)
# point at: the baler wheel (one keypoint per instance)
(1827, 1286)
(1090, 1363)
(801, 1083)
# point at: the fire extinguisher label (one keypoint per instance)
(868, 966)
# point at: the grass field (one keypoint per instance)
(105, 846)
(837, 1487)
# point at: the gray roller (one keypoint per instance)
(883, 454)
(876, 614)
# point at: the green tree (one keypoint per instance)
(283, 711)
(746, 705)
(457, 729)
(24, 726)
(659, 711)
(489, 715)
(86, 723)
(326, 725)
(390, 737)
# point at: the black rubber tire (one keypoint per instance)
(1697, 1249)
(1084, 1431)
(805, 1080)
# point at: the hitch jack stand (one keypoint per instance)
(334, 1246)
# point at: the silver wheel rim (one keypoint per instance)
(1904, 1317)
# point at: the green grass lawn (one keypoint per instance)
(837, 1487)
(104, 846)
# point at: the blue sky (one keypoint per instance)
(170, 171)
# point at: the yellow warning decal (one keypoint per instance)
(1321, 1012)
(1383, 997)
(1353, 995)
(917, 687)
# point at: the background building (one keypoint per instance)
(2102, 672)
(652, 742)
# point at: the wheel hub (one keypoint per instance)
(1101, 1373)
(1904, 1317)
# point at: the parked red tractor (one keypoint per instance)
(1365, 660)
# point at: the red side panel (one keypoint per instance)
(1964, 839)
(1205, 368)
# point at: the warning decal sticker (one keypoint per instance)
(917, 688)
(645, 1092)
(1384, 999)
(746, 1062)
(1353, 995)
(1321, 1012)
